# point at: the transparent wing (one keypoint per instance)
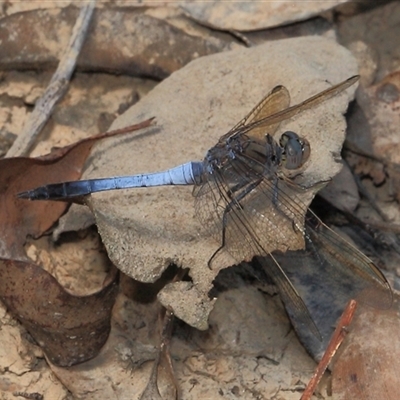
(277, 100)
(252, 212)
(264, 120)
(245, 212)
(341, 258)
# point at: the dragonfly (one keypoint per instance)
(240, 179)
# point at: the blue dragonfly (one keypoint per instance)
(240, 178)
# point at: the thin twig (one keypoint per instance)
(336, 340)
(57, 86)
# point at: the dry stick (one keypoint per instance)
(57, 86)
(336, 340)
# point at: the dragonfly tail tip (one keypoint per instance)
(24, 195)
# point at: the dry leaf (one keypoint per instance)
(368, 363)
(70, 329)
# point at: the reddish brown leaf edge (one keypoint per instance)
(70, 329)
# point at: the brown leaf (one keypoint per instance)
(20, 218)
(368, 362)
(70, 329)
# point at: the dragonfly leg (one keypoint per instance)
(296, 226)
(275, 192)
(234, 203)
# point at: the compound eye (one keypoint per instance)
(296, 151)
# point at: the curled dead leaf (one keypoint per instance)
(70, 329)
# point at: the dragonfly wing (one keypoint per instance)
(328, 273)
(245, 211)
(292, 111)
(247, 201)
(253, 212)
(277, 100)
(210, 205)
(340, 258)
(281, 221)
(291, 298)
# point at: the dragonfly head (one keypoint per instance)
(295, 150)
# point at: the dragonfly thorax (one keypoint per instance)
(223, 153)
(246, 151)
